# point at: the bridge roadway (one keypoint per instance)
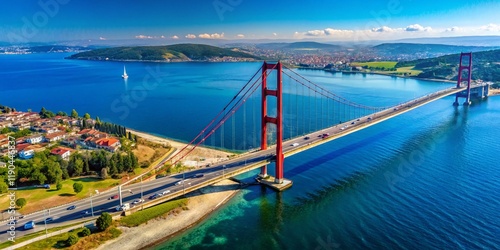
(243, 163)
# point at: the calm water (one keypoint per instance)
(424, 180)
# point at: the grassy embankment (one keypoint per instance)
(387, 67)
(87, 242)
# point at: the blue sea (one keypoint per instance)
(427, 179)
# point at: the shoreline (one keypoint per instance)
(209, 155)
(381, 74)
(201, 204)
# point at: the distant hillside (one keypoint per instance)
(402, 51)
(485, 66)
(177, 52)
(457, 40)
(299, 45)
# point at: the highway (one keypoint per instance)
(104, 202)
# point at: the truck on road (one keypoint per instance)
(124, 207)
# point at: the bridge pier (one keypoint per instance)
(461, 68)
(279, 180)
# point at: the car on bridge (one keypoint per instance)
(307, 138)
(199, 175)
(137, 201)
(29, 225)
(295, 144)
(113, 197)
(84, 212)
(71, 207)
(50, 219)
(165, 192)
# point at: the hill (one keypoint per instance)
(456, 40)
(168, 53)
(486, 66)
(410, 51)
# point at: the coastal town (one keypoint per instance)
(62, 134)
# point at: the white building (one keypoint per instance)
(26, 154)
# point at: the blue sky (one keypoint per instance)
(324, 20)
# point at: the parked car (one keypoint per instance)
(71, 207)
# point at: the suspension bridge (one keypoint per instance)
(293, 118)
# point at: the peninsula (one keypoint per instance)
(167, 53)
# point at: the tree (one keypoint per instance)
(77, 187)
(74, 114)
(104, 221)
(85, 232)
(97, 120)
(58, 186)
(21, 202)
(86, 116)
(72, 239)
(104, 173)
(61, 113)
(3, 186)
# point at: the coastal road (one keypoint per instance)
(179, 184)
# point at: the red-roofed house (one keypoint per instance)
(64, 153)
(110, 144)
(57, 136)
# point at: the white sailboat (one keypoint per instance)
(124, 76)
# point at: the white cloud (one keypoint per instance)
(240, 36)
(175, 37)
(417, 27)
(454, 29)
(143, 37)
(315, 33)
(211, 36)
(162, 37)
(190, 36)
(274, 34)
(383, 29)
(491, 27)
(326, 32)
(102, 38)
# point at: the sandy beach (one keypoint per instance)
(199, 157)
(201, 203)
(494, 91)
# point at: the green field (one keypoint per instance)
(385, 64)
(408, 70)
(376, 66)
